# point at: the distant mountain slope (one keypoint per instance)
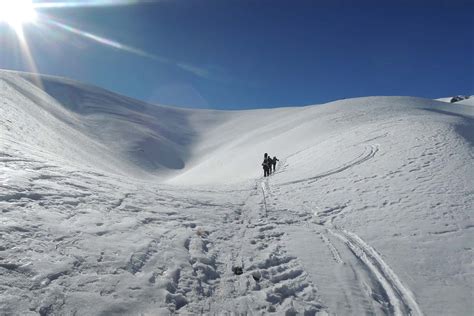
(91, 126)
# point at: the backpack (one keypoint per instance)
(266, 162)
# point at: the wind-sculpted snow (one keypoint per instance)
(112, 206)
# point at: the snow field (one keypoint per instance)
(113, 206)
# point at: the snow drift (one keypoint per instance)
(115, 206)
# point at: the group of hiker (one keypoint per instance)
(269, 164)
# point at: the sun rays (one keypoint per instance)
(17, 13)
(22, 14)
(102, 40)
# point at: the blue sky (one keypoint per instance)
(254, 54)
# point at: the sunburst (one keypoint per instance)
(19, 13)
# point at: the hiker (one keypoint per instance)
(274, 162)
(270, 162)
(266, 165)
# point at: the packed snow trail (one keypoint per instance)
(272, 281)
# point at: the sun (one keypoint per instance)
(17, 12)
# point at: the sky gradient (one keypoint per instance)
(255, 54)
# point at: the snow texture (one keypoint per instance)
(112, 206)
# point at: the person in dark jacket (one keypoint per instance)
(270, 161)
(266, 165)
(274, 163)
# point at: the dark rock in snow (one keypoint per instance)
(237, 270)
(459, 98)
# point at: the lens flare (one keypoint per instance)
(88, 3)
(102, 40)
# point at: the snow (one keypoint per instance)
(114, 206)
(469, 100)
(446, 99)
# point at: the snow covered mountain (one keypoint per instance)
(115, 206)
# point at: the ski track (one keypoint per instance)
(401, 300)
(335, 254)
(369, 153)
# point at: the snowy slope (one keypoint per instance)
(115, 206)
(108, 128)
(469, 101)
